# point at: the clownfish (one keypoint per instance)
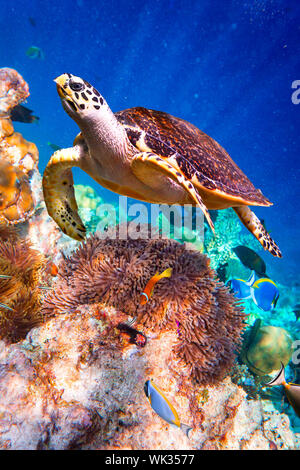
(52, 269)
(161, 405)
(148, 291)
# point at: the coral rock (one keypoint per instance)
(18, 157)
(16, 201)
(13, 90)
(265, 348)
(22, 153)
(74, 384)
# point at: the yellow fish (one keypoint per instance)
(148, 291)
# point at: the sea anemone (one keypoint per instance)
(206, 317)
(20, 293)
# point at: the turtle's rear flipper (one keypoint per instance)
(59, 192)
(254, 226)
(148, 160)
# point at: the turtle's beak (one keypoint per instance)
(61, 81)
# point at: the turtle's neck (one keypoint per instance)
(106, 137)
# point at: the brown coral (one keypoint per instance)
(20, 293)
(16, 201)
(23, 154)
(192, 301)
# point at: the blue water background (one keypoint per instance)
(227, 66)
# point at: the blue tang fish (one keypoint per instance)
(240, 288)
(265, 294)
(263, 291)
(161, 405)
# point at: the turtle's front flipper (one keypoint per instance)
(149, 160)
(59, 191)
(255, 226)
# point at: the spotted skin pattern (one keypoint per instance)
(79, 93)
(254, 225)
(158, 142)
(199, 157)
(184, 152)
(58, 188)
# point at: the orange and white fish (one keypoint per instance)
(148, 291)
(52, 269)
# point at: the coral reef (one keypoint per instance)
(88, 201)
(13, 90)
(18, 157)
(192, 237)
(75, 383)
(72, 371)
(21, 153)
(43, 233)
(20, 293)
(16, 202)
(116, 272)
(265, 347)
(21, 201)
(229, 233)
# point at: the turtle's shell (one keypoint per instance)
(200, 158)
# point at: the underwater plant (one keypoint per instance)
(192, 300)
(22, 270)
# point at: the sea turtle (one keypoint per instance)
(147, 155)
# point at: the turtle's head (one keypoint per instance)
(79, 99)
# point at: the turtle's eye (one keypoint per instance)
(75, 86)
